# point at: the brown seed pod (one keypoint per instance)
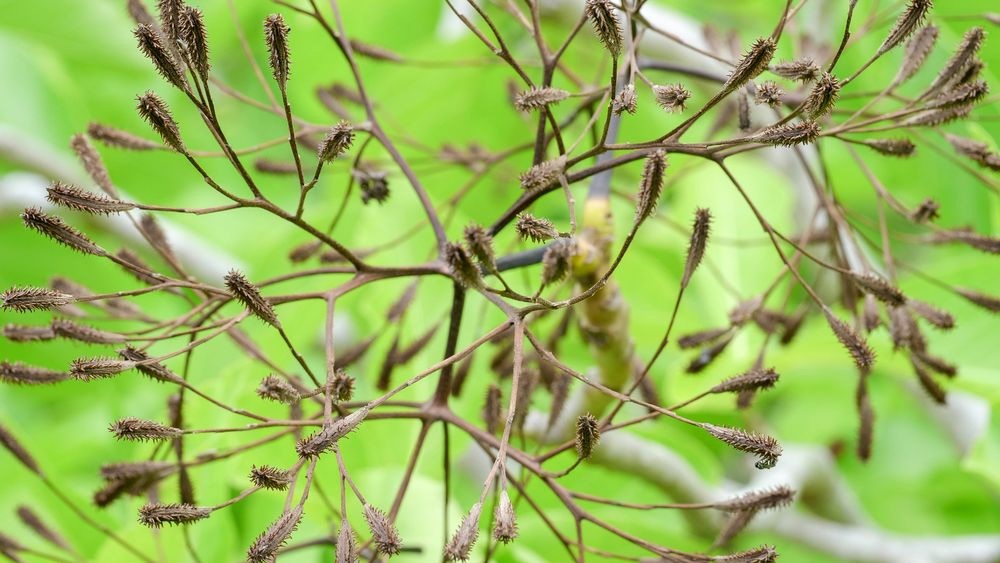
(79, 199)
(266, 546)
(753, 63)
(248, 294)
(651, 185)
(151, 46)
(803, 70)
(588, 435)
(268, 477)
(460, 546)
(18, 373)
(538, 98)
(139, 430)
(700, 232)
(337, 141)
(892, 147)
(276, 37)
(155, 515)
(534, 228)
(601, 14)
(57, 230)
(671, 97)
(907, 23)
(384, 533)
(543, 174)
(155, 112)
(764, 447)
(789, 134)
(766, 499)
(504, 519)
(625, 101)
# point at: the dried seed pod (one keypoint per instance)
(73, 197)
(880, 288)
(557, 260)
(769, 93)
(248, 294)
(696, 245)
(538, 98)
(757, 379)
(789, 134)
(535, 229)
(151, 46)
(671, 97)
(959, 61)
(766, 499)
(866, 426)
(324, 440)
(937, 364)
(268, 477)
(14, 447)
(18, 373)
(964, 95)
(735, 524)
(384, 533)
(803, 70)
(278, 168)
(933, 388)
(139, 430)
(870, 313)
(988, 302)
(374, 184)
(156, 113)
(601, 14)
(111, 137)
(743, 111)
(192, 27)
(543, 174)
(504, 519)
(24, 299)
(917, 51)
(491, 409)
(625, 101)
(266, 546)
(588, 435)
(459, 548)
(129, 470)
(985, 243)
(926, 211)
(31, 519)
(276, 37)
(907, 23)
(274, 388)
(137, 10)
(170, 18)
(651, 185)
(823, 96)
(903, 329)
(461, 265)
(373, 52)
(762, 554)
(980, 153)
(21, 333)
(480, 244)
(155, 515)
(892, 147)
(337, 141)
(68, 329)
(152, 370)
(753, 63)
(86, 369)
(703, 337)
(57, 230)
(763, 446)
(933, 118)
(347, 548)
(93, 164)
(941, 319)
(342, 386)
(863, 355)
(708, 355)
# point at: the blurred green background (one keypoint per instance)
(65, 63)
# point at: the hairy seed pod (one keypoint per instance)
(736, 523)
(170, 18)
(602, 16)
(248, 294)
(870, 313)
(557, 260)
(763, 446)
(625, 101)
(907, 23)
(266, 546)
(274, 388)
(935, 363)
(461, 265)
(671, 97)
(926, 211)
(789, 134)
(491, 409)
(152, 47)
(192, 24)
(14, 447)
(139, 13)
(374, 184)
(766, 499)
(985, 243)
(651, 185)
(111, 137)
(802, 70)
(342, 386)
(823, 96)
(129, 470)
(534, 228)
(989, 302)
(917, 51)
(769, 93)
(18, 373)
(57, 230)
(538, 98)
(892, 147)
(384, 533)
(155, 515)
(81, 333)
(153, 370)
(709, 355)
(504, 519)
(757, 379)
(93, 164)
(31, 519)
(588, 435)
(879, 287)
(866, 426)
(543, 174)
(324, 440)
(21, 333)
(762, 554)
(156, 113)
(459, 548)
(700, 338)
(753, 63)
(964, 95)
(278, 168)
(978, 152)
(268, 477)
(79, 199)
(933, 388)
(139, 430)
(696, 245)
(24, 299)
(940, 116)
(959, 61)
(374, 52)
(480, 244)
(347, 547)
(276, 37)
(863, 355)
(940, 319)
(336, 142)
(89, 369)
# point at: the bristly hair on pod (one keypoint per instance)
(757, 379)
(347, 547)
(892, 147)
(879, 287)
(139, 430)
(64, 328)
(762, 554)
(534, 228)
(625, 101)
(93, 164)
(766, 499)
(462, 266)
(32, 520)
(789, 134)
(769, 93)
(155, 515)
(73, 197)
(192, 24)
(700, 232)
(89, 369)
(373, 182)
(763, 446)
(916, 54)
(964, 55)
(480, 244)
(601, 14)
(276, 37)
(557, 260)
(863, 355)
(696, 339)
(823, 96)
(111, 137)
(384, 533)
(988, 302)
(314, 445)
(504, 519)
(651, 185)
(538, 98)
(156, 113)
(268, 477)
(937, 317)
(153, 370)
(154, 49)
(671, 97)
(459, 548)
(964, 95)
(25, 299)
(543, 174)
(14, 447)
(337, 141)
(275, 388)
(979, 153)
(926, 211)
(753, 63)
(18, 373)
(588, 435)
(907, 23)
(248, 294)
(267, 544)
(56, 229)
(170, 18)
(803, 70)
